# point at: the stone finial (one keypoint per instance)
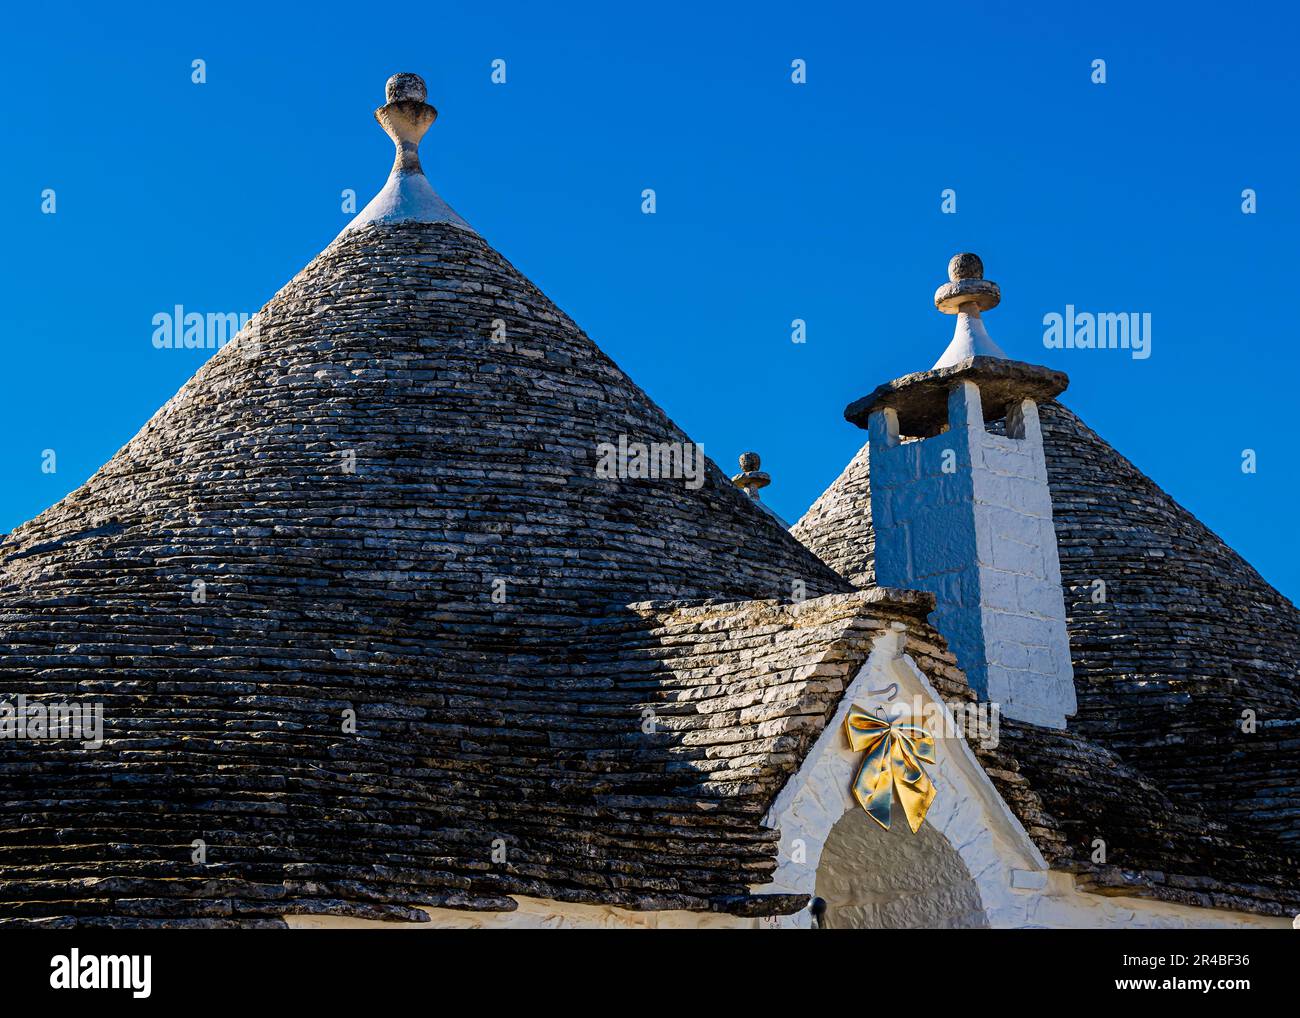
(407, 195)
(966, 285)
(751, 479)
(406, 117)
(965, 295)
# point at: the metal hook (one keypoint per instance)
(891, 690)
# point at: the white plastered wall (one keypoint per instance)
(967, 811)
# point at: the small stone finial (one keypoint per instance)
(965, 295)
(966, 285)
(406, 116)
(751, 479)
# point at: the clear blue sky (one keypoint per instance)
(775, 202)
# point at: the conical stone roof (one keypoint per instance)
(382, 498)
(838, 525)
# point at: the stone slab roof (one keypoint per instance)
(316, 524)
(838, 525)
(541, 750)
(1074, 795)
(1189, 637)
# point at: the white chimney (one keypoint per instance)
(966, 513)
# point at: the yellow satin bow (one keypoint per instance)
(893, 764)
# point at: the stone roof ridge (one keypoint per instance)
(407, 196)
(892, 600)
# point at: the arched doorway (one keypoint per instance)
(871, 878)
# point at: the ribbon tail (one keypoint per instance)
(914, 788)
(873, 787)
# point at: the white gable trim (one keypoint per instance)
(968, 811)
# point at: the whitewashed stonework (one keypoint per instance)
(967, 812)
(967, 515)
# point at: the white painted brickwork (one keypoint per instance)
(967, 515)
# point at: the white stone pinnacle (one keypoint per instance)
(969, 339)
(407, 195)
(965, 295)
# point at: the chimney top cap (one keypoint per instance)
(405, 86)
